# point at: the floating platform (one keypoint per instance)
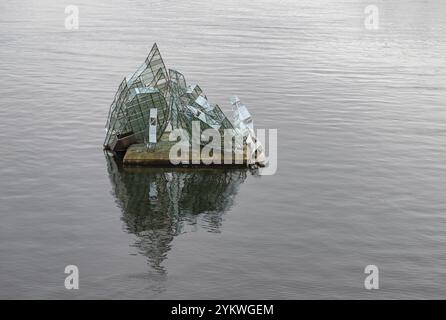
(139, 155)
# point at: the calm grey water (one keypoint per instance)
(361, 136)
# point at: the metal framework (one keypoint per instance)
(151, 87)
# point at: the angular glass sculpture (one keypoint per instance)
(152, 86)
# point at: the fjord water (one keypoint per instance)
(361, 173)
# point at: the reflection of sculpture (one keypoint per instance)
(157, 204)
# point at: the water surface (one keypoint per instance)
(362, 152)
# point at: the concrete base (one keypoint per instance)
(140, 155)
